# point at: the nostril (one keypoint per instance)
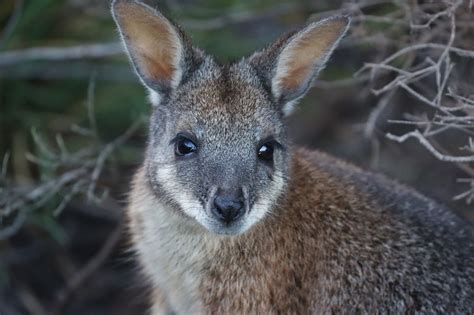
(227, 204)
(227, 209)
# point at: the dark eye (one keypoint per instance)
(265, 152)
(184, 146)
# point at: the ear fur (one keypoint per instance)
(293, 62)
(156, 47)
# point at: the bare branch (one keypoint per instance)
(417, 135)
(60, 53)
(104, 155)
(85, 273)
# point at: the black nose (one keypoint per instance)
(227, 208)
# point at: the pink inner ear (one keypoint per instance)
(151, 40)
(306, 53)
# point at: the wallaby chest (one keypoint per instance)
(172, 256)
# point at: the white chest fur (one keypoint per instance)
(171, 252)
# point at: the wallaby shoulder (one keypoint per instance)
(388, 195)
(417, 240)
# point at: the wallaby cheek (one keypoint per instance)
(181, 192)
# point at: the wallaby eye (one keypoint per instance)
(265, 152)
(184, 146)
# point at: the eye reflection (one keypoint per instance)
(265, 152)
(184, 146)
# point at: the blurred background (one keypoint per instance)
(397, 98)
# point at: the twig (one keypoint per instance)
(91, 105)
(447, 12)
(468, 194)
(13, 227)
(459, 51)
(371, 123)
(12, 22)
(60, 53)
(442, 157)
(240, 17)
(104, 155)
(5, 160)
(85, 273)
(41, 190)
(31, 302)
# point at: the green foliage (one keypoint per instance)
(36, 22)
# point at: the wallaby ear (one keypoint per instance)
(157, 48)
(292, 63)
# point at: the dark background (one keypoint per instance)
(73, 126)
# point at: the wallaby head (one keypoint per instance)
(218, 150)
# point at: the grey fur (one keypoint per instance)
(318, 235)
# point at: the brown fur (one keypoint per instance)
(328, 248)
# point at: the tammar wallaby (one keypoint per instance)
(227, 217)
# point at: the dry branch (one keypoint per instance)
(438, 33)
(60, 53)
(80, 173)
(87, 271)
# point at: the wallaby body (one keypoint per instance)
(227, 217)
(342, 241)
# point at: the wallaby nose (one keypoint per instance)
(228, 207)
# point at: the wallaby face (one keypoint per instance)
(218, 150)
(218, 157)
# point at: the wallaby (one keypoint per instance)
(227, 217)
